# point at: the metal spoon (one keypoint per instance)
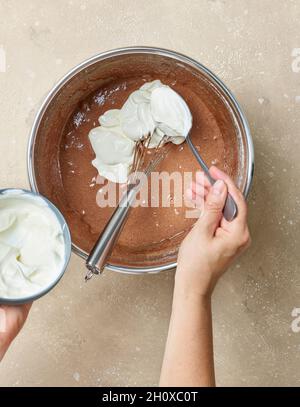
(230, 208)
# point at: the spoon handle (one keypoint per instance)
(230, 208)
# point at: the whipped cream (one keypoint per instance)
(32, 249)
(154, 109)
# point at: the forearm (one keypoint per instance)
(188, 359)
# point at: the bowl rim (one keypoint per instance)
(67, 242)
(129, 51)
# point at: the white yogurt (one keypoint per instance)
(154, 108)
(32, 249)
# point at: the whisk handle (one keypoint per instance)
(103, 247)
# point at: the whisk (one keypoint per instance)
(101, 251)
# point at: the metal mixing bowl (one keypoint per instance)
(64, 96)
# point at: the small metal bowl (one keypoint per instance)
(67, 242)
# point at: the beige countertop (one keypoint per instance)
(112, 331)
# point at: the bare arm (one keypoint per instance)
(188, 359)
(204, 255)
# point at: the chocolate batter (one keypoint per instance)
(151, 236)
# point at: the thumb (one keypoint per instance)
(213, 207)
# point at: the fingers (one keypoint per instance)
(237, 229)
(198, 190)
(213, 207)
(201, 179)
(234, 192)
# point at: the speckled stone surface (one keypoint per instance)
(112, 331)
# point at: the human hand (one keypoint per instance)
(213, 243)
(12, 319)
